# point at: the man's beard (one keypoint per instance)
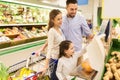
(70, 16)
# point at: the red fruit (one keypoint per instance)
(34, 77)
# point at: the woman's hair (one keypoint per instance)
(64, 45)
(71, 1)
(52, 15)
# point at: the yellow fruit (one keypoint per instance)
(86, 66)
(28, 72)
(22, 71)
(17, 78)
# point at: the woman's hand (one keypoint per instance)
(46, 66)
(43, 71)
(38, 52)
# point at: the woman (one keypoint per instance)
(55, 36)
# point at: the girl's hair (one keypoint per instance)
(52, 15)
(71, 1)
(64, 45)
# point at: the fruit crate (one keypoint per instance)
(115, 46)
(40, 38)
(17, 42)
(5, 44)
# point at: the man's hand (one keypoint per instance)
(91, 36)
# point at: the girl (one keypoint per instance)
(55, 36)
(67, 61)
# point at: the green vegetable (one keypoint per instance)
(3, 72)
(74, 78)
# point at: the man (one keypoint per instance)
(74, 25)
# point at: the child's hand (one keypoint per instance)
(65, 79)
(83, 51)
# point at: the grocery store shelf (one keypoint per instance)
(20, 47)
(15, 54)
(4, 25)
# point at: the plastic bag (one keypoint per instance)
(84, 71)
(45, 77)
(80, 59)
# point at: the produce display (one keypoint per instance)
(22, 14)
(20, 35)
(113, 67)
(116, 28)
(12, 13)
(112, 64)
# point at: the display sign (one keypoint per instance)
(110, 9)
(82, 2)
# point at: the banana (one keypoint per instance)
(25, 72)
(17, 78)
(28, 71)
(22, 71)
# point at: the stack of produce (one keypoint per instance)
(23, 74)
(113, 67)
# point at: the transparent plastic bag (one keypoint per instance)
(45, 77)
(84, 70)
